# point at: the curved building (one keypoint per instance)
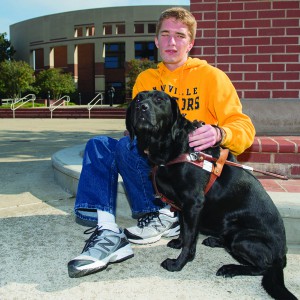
(93, 44)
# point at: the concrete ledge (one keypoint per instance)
(67, 164)
(273, 116)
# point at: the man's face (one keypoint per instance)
(174, 43)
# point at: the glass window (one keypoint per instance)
(112, 47)
(120, 29)
(107, 29)
(78, 32)
(90, 31)
(111, 62)
(138, 28)
(151, 28)
(114, 55)
(151, 46)
(145, 50)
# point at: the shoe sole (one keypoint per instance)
(116, 257)
(172, 232)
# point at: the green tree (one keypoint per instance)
(56, 82)
(7, 51)
(135, 67)
(16, 77)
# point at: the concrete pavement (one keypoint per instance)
(39, 236)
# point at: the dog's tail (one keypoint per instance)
(273, 283)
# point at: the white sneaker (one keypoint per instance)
(101, 249)
(152, 226)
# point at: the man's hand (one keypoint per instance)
(204, 137)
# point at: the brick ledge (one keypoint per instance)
(278, 154)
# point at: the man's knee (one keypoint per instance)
(123, 145)
(101, 141)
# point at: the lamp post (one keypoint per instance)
(48, 99)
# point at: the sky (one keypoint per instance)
(14, 11)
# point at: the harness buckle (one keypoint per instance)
(193, 156)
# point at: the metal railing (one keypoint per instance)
(61, 101)
(98, 97)
(24, 100)
(7, 100)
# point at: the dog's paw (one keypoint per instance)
(175, 244)
(212, 242)
(230, 270)
(170, 265)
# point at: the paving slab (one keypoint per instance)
(39, 235)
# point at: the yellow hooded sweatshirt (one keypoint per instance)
(203, 93)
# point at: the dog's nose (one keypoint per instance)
(144, 106)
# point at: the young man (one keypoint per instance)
(204, 93)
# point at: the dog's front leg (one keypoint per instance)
(177, 243)
(189, 234)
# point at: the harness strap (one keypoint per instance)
(197, 161)
(217, 169)
(160, 195)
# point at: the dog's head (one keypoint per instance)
(152, 113)
(161, 130)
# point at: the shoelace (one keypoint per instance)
(91, 240)
(147, 218)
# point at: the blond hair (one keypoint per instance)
(182, 15)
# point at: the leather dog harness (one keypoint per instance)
(200, 160)
(208, 163)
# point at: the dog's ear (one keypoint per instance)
(129, 119)
(175, 109)
(177, 118)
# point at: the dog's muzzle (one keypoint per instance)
(144, 114)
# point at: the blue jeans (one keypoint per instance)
(105, 158)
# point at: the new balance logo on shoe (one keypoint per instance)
(105, 244)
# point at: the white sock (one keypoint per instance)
(107, 220)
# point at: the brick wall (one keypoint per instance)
(255, 42)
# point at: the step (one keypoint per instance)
(67, 164)
(65, 112)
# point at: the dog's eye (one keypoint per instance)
(159, 99)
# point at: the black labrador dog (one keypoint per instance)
(236, 213)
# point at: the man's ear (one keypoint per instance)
(191, 45)
(156, 42)
(129, 119)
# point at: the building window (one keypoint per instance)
(107, 29)
(90, 30)
(138, 28)
(120, 28)
(78, 32)
(151, 28)
(114, 55)
(145, 50)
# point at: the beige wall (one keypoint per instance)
(58, 29)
